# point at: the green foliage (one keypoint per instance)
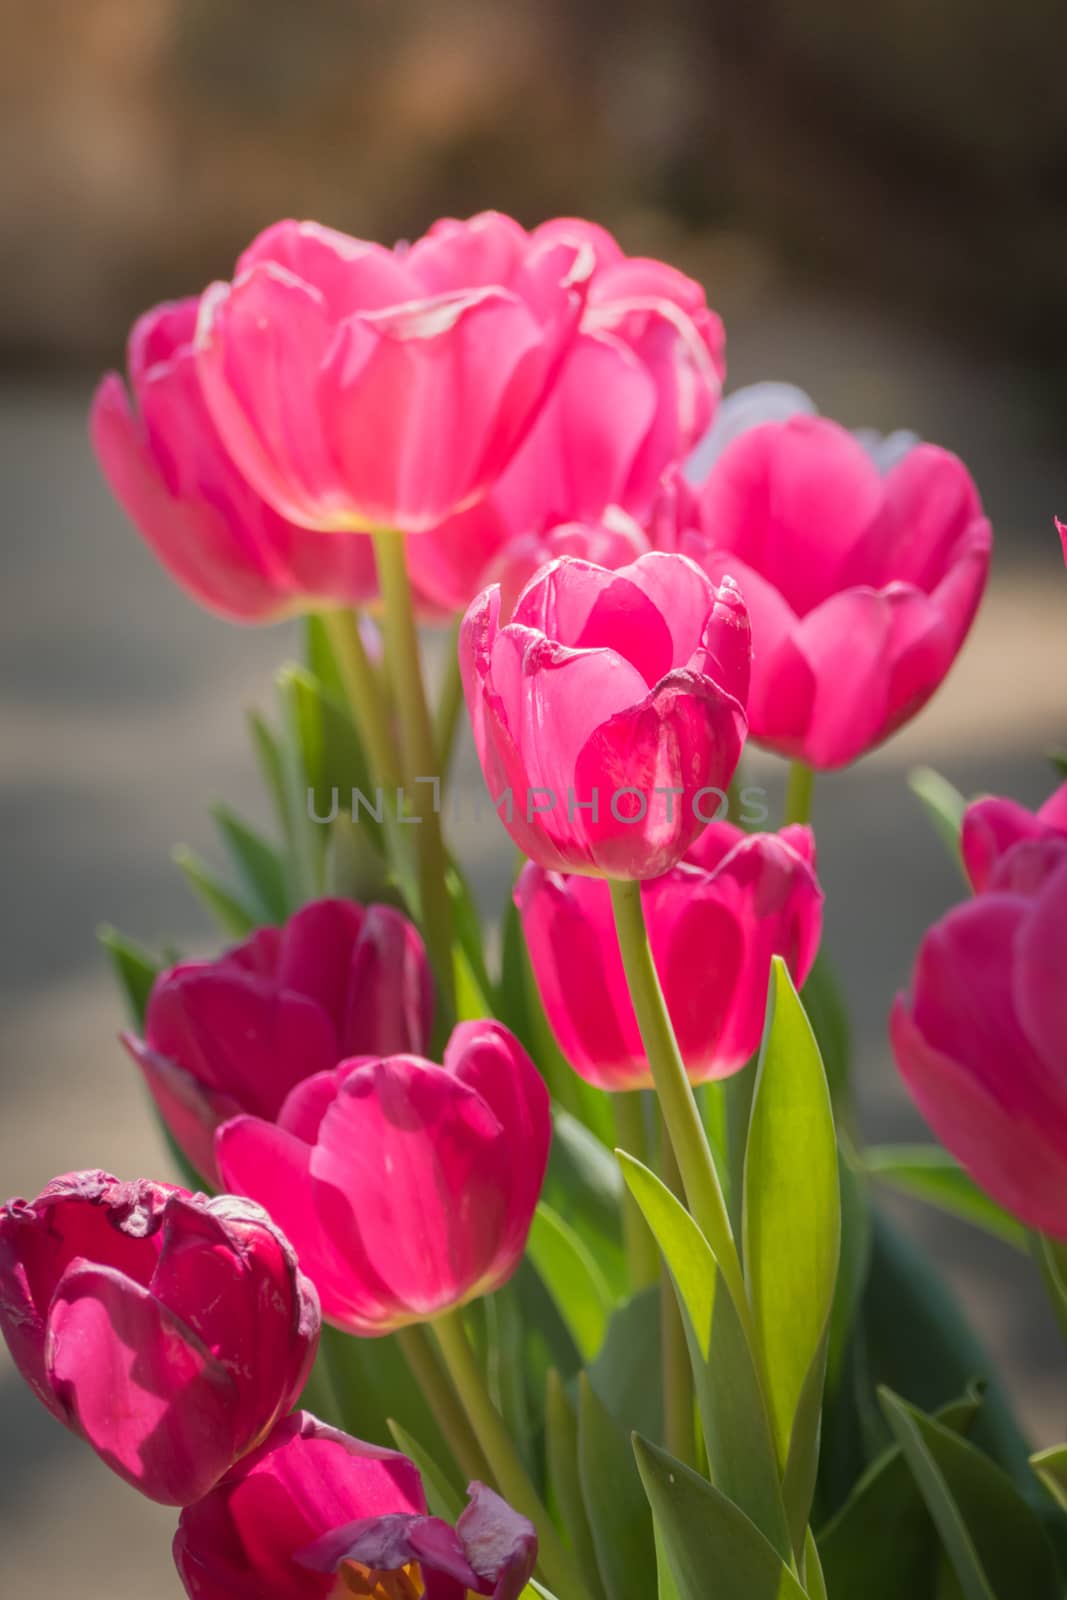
(618, 1511)
(944, 806)
(931, 1174)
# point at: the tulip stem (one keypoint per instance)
(679, 1404)
(450, 705)
(511, 1477)
(421, 768)
(688, 1137)
(642, 1255)
(365, 697)
(440, 1396)
(799, 789)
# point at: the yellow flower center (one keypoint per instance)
(354, 1579)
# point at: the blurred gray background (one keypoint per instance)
(877, 204)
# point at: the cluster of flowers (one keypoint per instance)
(524, 408)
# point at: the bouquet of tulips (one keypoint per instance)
(549, 1262)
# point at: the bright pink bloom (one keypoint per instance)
(1061, 529)
(638, 389)
(314, 1514)
(359, 387)
(861, 587)
(992, 825)
(608, 710)
(237, 1034)
(167, 466)
(982, 1042)
(407, 1188)
(168, 1330)
(714, 923)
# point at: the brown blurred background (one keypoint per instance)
(875, 198)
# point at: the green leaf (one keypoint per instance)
(993, 1539)
(712, 1547)
(1059, 761)
(854, 1264)
(135, 971)
(736, 1427)
(632, 1352)
(583, 1184)
(1051, 1257)
(573, 1279)
(618, 1511)
(814, 1580)
(233, 915)
(1051, 1467)
(561, 1444)
(260, 867)
(792, 1233)
(373, 1386)
(827, 1013)
(468, 926)
(271, 764)
(882, 1543)
(441, 1497)
(931, 1174)
(943, 804)
(321, 659)
(506, 1367)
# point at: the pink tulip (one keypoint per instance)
(638, 389)
(359, 387)
(314, 1514)
(991, 826)
(714, 923)
(168, 1330)
(608, 710)
(982, 1042)
(1061, 529)
(861, 587)
(237, 1034)
(407, 1188)
(170, 471)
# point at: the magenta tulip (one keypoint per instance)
(359, 387)
(237, 1034)
(861, 587)
(609, 712)
(714, 922)
(168, 1330)
(638, 389)
(991, 826)
(170, 471)
(982, 1041)
(315, 1515)
(407, 1188)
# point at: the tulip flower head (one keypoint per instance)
(862, 583)
(169, 469)
(714, 922)
(407, 1188)
(982, 1040)
(991, 826)
(358, 387)
(237, 1034)
(316, 1515)
(169, 1331)
(609, 710)
(636, 391)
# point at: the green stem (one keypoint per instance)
(419, 755)
(677, 1101)
(440, 1396)
(365, 697)
(319, 1396)
(450, 704)
(679, 1405)
(799, 790)
(511, 1477)
(642, 1256)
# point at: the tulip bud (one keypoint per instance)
(169, 1331)
(982, 1040)
(407, 1188)
(714, 922)
(608, 713)
(861, 583)
(237, 1034)
(314, 1514)
(991, 826)
(168, 468)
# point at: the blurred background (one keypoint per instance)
(876, 200)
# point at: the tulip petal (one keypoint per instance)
(150, 1398)
(500, 1544)
(190, 1110)
(1040, 966)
